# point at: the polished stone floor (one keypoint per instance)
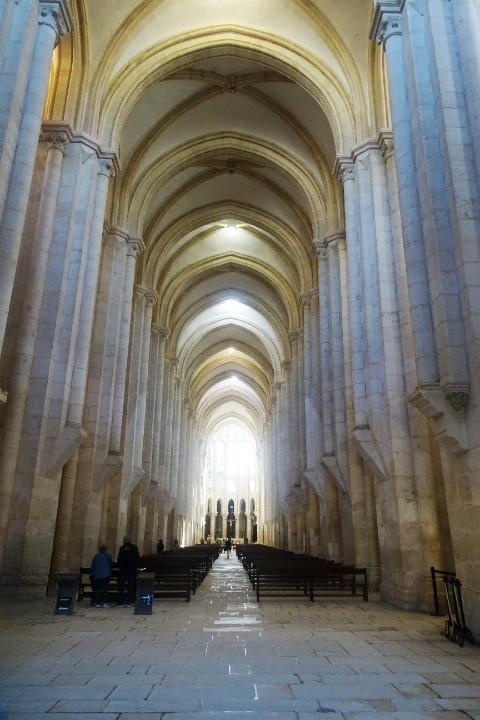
(225, 656)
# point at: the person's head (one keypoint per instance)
(126, 540)
(103, 548)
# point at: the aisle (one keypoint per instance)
(225, 656)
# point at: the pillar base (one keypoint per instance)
(21, 588)
(406, 590)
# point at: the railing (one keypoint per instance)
(434, 574)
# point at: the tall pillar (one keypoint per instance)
(344, 170)
(54, 20)
(386, 30)
(46, 443)
(137, 389)
(466, 21)
(31, 300)
(176, 435)
(93, 470)
(135, 247)
(78, 386)
(294, 408)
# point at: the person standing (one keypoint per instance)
(228, 546)
(127, 560)
(100, 573)
(160, 547)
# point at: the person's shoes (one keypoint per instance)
(105, 605)
(127, 605)
(98, 605)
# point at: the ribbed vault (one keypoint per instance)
(228, 121)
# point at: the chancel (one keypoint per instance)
(239, 284)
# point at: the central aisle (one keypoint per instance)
(224, 656)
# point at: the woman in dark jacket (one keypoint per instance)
(100, 572)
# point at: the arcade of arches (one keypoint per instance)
(239, 282)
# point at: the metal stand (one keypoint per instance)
(66, 593)
(144, 596)
(456, 628)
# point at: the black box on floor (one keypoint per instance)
(66, 593)
(144, 594)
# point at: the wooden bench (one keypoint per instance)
(281, 573)
(180, 573)
(85, 589)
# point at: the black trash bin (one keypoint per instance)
(144, 594)
(66, 593)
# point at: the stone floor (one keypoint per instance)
(225, 656)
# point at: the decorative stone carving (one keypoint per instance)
(55, 14)
(344, 168)
(449, 425)
(385, 142)
(135, 247)
(55, 139)
(387, 21)
(457, 394)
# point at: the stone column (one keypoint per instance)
(168, 431)
(294, 405)
(176, 434)
(311, 433)
(155, 397)
(435, 187)
(89, 293)
(94, 469)
(40, 460)
(335, 244)
(324, 349)
(54, 21)
(137, 389)
(134, 247)
(32, 294)
(386, 30)
(340, 471)
(466, 21)
(104, 354)
(301, 405)
(344, 170)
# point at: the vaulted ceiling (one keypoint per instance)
(227, 117)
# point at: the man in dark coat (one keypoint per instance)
(100, 572)
(127, 560)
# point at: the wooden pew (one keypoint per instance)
(281, 573)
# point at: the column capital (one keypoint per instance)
(319, 249)
(305, 300)
(385, 143)
(286, 366)
(163, 333)
(365, 147)
(387, 21)
(56, 135)
(56, 14)
(335, 240)
(293, 337)
(109, 164)
(135, 246)
(111, 233)
(344, 167)
(151, 298)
